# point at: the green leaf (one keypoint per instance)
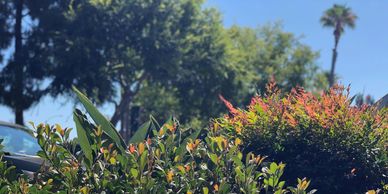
(152, 118)
(205, 190)
(162, 148)
(122, 160)
(280, 191)
(273, 167)
(144, 130)
(83, 140)
(237, 161)
(141, 133)
(224, 188)
(213, 158)
(281, 184)
(41, 154)
(143, 160)
(240, 174)
(10, 173)
(100, 119)
(182, 148)
(134, 172)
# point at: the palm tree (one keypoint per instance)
(337, 17)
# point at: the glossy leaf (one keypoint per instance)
(141, 134)
(83, 140)
(100, 119)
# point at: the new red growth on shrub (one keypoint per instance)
(325, 134)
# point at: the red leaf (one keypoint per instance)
(229, 105)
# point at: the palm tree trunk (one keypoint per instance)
(18, 91)
(333, 61)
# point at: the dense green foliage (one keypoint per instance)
(19, 77)
(143, 56)
(270, 53)
(174, 57)
(343, 148)
(160, 159)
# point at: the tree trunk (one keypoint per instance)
(135, 116)
(125, 120)
(129, 121)
(125, 100)
(19, 116)
(123, 111)
(122, 114)
(18, 88)
(333, 61)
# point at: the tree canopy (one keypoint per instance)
(144, 57)
(22, 76)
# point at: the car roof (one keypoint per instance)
(16, 126)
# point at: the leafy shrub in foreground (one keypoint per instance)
(341, 147)
(8, 175)
(159, 159)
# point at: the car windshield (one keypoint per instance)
(18, 141)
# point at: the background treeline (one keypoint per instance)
(157, 57)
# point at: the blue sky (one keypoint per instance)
(363, 52)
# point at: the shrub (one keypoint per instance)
(8, 175)
(343, 148)
(158, 159)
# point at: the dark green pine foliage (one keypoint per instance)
(22, 74)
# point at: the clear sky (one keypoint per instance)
(363, 52)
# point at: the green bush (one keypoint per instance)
(8, 175)
(158, 159)
(341, 147)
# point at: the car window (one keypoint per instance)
(18, 141)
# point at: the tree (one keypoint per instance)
(238, 62)
(21, 78)
(270, 53)
(206, 72)
(11, 76)
(116, 50)
(151, 57)
(112, 50)
(5, 25)
(338, 17)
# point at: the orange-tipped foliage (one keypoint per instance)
(332, 109)
(319, 132)
(229, 105)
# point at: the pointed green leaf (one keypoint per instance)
(182, 148)
(213, 158)
(237, 161)
(239, 173)
(100, 119)
(205, 190)
(83, 140)
(143, 160)
(152, 118)
(141, 133)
